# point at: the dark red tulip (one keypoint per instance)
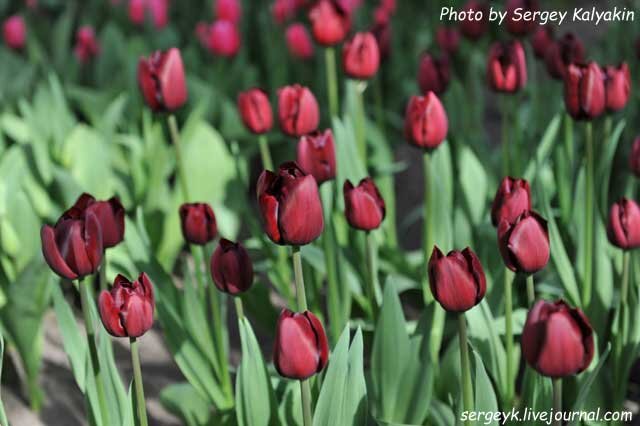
(255, 111)
(110, 214)
(426, 122)
(14, 32)
(126, 310)
(284, 10)
(561, 53)
(299, 41)
(457, 280)
(290, 205)
(198, 223)
(231, 268)
(162, 81)
(634, 158)
(363, 205)
(329, 22)
(360, 56)
(381, 30)
(298, 110)
(507, 67)
(301, 348)
(584, 91)
(623, 228)
(137, 11)
(87, 46)
(617, 85)
(434, 74)
(541, 40)
(388, 5)
(516, 25)
(317, 155)
(513, 198)
(227, 10)
(224, 39)
(557, 340)
(524, 243)
(448, 39)
(473, 28)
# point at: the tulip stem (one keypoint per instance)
(588, 212)
(531, 290)
(103, 272)
(508, 318)
(373, 281)
(239, 309)
(557, 399)
(332, 81)
(506, 155)
(467, 389)
(427, 241)
(360, 121)
(329, 246)
(137, 380)
(265, 154)
(624, 288)
(182, 176)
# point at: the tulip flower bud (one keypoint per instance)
(507, 67)
(361, 57)
(513, 198)
(363, 205)
(457, 280)
(623, 228)
(126, 310)
(110, 214)
(255, 111)
(162, 81)
(561, 53)
(198, 223)
(317, 155)
(381, 30)
(227, 10)
(584, 91)
(515, 24)
(473, 28)
(299, 41)
(137, 10)
(301, 348)
(426, 123)
(231, 268)
(87, 46)
(557, 340)
(524, 243)
(634, 158)
(224, 39)
(617, 86)
(434, 74)
(284, 10)
(159, 12)
(448, 39)
(298, 110)
(330, 23)
(542, 40)
(14, 32)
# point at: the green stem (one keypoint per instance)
(239, 309)
(103, 272)
(360, 120)
(506, 155)
(557, 399)
(508, 315)
(137, 380)
(329, 247)
(531, 290)
(182, 176)
(307, 414)
(588, 223)
(467, 390)
(624, 288)
(332, 81)
(427, 239)
(265, 154)
(379, 104)
(373, 281)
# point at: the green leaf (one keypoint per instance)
(585, 385)
(544, 148)
(474, 182)
(485, 395)
(185, 401)
(3, 416)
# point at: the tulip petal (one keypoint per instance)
(300, 216)
(110, 315)
(529, 245)
(171, 79)
(52, 254)
(562, 351)
(137, 316)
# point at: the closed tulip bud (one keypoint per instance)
(542, 40)
(426, 123)
(284, 10)
(231, 268)
(363, 205)
(290, 205)
(316, 155)
(255, 111)
(513, 198)
(126, 310)
(224, 39)
(634, 158)
(524, 243)
(298, 110)
(227, 10)
(563, 52)
(381, 30)
(329, 22)
(159, 10)
(198, 223)
(87, 46)
(360, 56)
(515, 24)
(507, 67)
(456, 280)
(299, 41)
(301, 348)
(14, 32)
(557, 340)
(617, 86)
(448, 39)
(162, 81)
(473, 28)
(623, 228)
(137, 10)
(434, 74)
(584, 91)
(110, 214)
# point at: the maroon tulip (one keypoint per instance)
(634, 158)
(110, 214)
(457, 280)
(361, 57)
(14, 32)
(434, 74)
(87, 46)
(290, 205)
(198, 223)
(231, 268)
(330, 23)
(524, 243)
(507, 67)
(557, 340)
(284, 10)
(317, 155)
(301, 348)
(623, 228)
(617, 85)
(471, 27)
(381, 30)
(162, 81)
(561, 53)
(448, 39)
(298, 110)
(137, 10)
(584, 91)
(224, 39)
(426, 123)
(255, 111)
(516, 25)
(363, 205)
(299, 41)
(127, 309)
(227, 10)
(513, 198)
(541, 40)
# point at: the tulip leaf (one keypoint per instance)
(485, 395)
(185, 401)
(585, 385)
(544, 148)
(3, 415)
(474, 182)
(604, 166)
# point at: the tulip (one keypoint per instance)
(224, 39)
(515, 24)
(561, 53)
(255, 111)
(284, 10)
(634, 158)
(360, 56)
(471, 28)
(198, 223)
(381, 30)
(389, 5)
(14, 32)
(426, 123)
(584, 91)
(159, 10)
(290, 205)
(457, 280)
(507, 67)
(513, 198)
(231, 268)
(298, 110)
(557, 340)
(301, 348)
(87, 46)
(137, 10)
(227, 10)
(434, 74)
(448, 38)
(299, 41)
(623, 227)
(329, 22)
(127, 309)
(202, 33)
(542, 40)
(617, 86)
(316, 155)
(162, 81)
(363, 205)
(524, 243)
(110, 214)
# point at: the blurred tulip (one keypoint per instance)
(316, 155)
(14, 32)
(364, 207)
(448, 39)
(137, 11)
(617, 85)
(198, 223)
(350, 6)
(255, 111)
(388, 5)
(434, 74)
(557, 340)
(298, 111)
(290, 205)
(634, 158)
(360, 56)
(329, 22)
(623, 228)
(231, 268)
(516, 25)
(162, 81)
(513, 198)
(126, 310)
(542, 40)
(471, 28)
(202, 33)
(426, 123)
(224, 39)
(299, 41)
(284, 10)
(524, 243)
(301, 348)
(159, 10)
(227, 10)
(381, 30)
(457, 280)
(584, 91)
(561, 53)
(110, 214)
(87, 46)
(507, 67)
